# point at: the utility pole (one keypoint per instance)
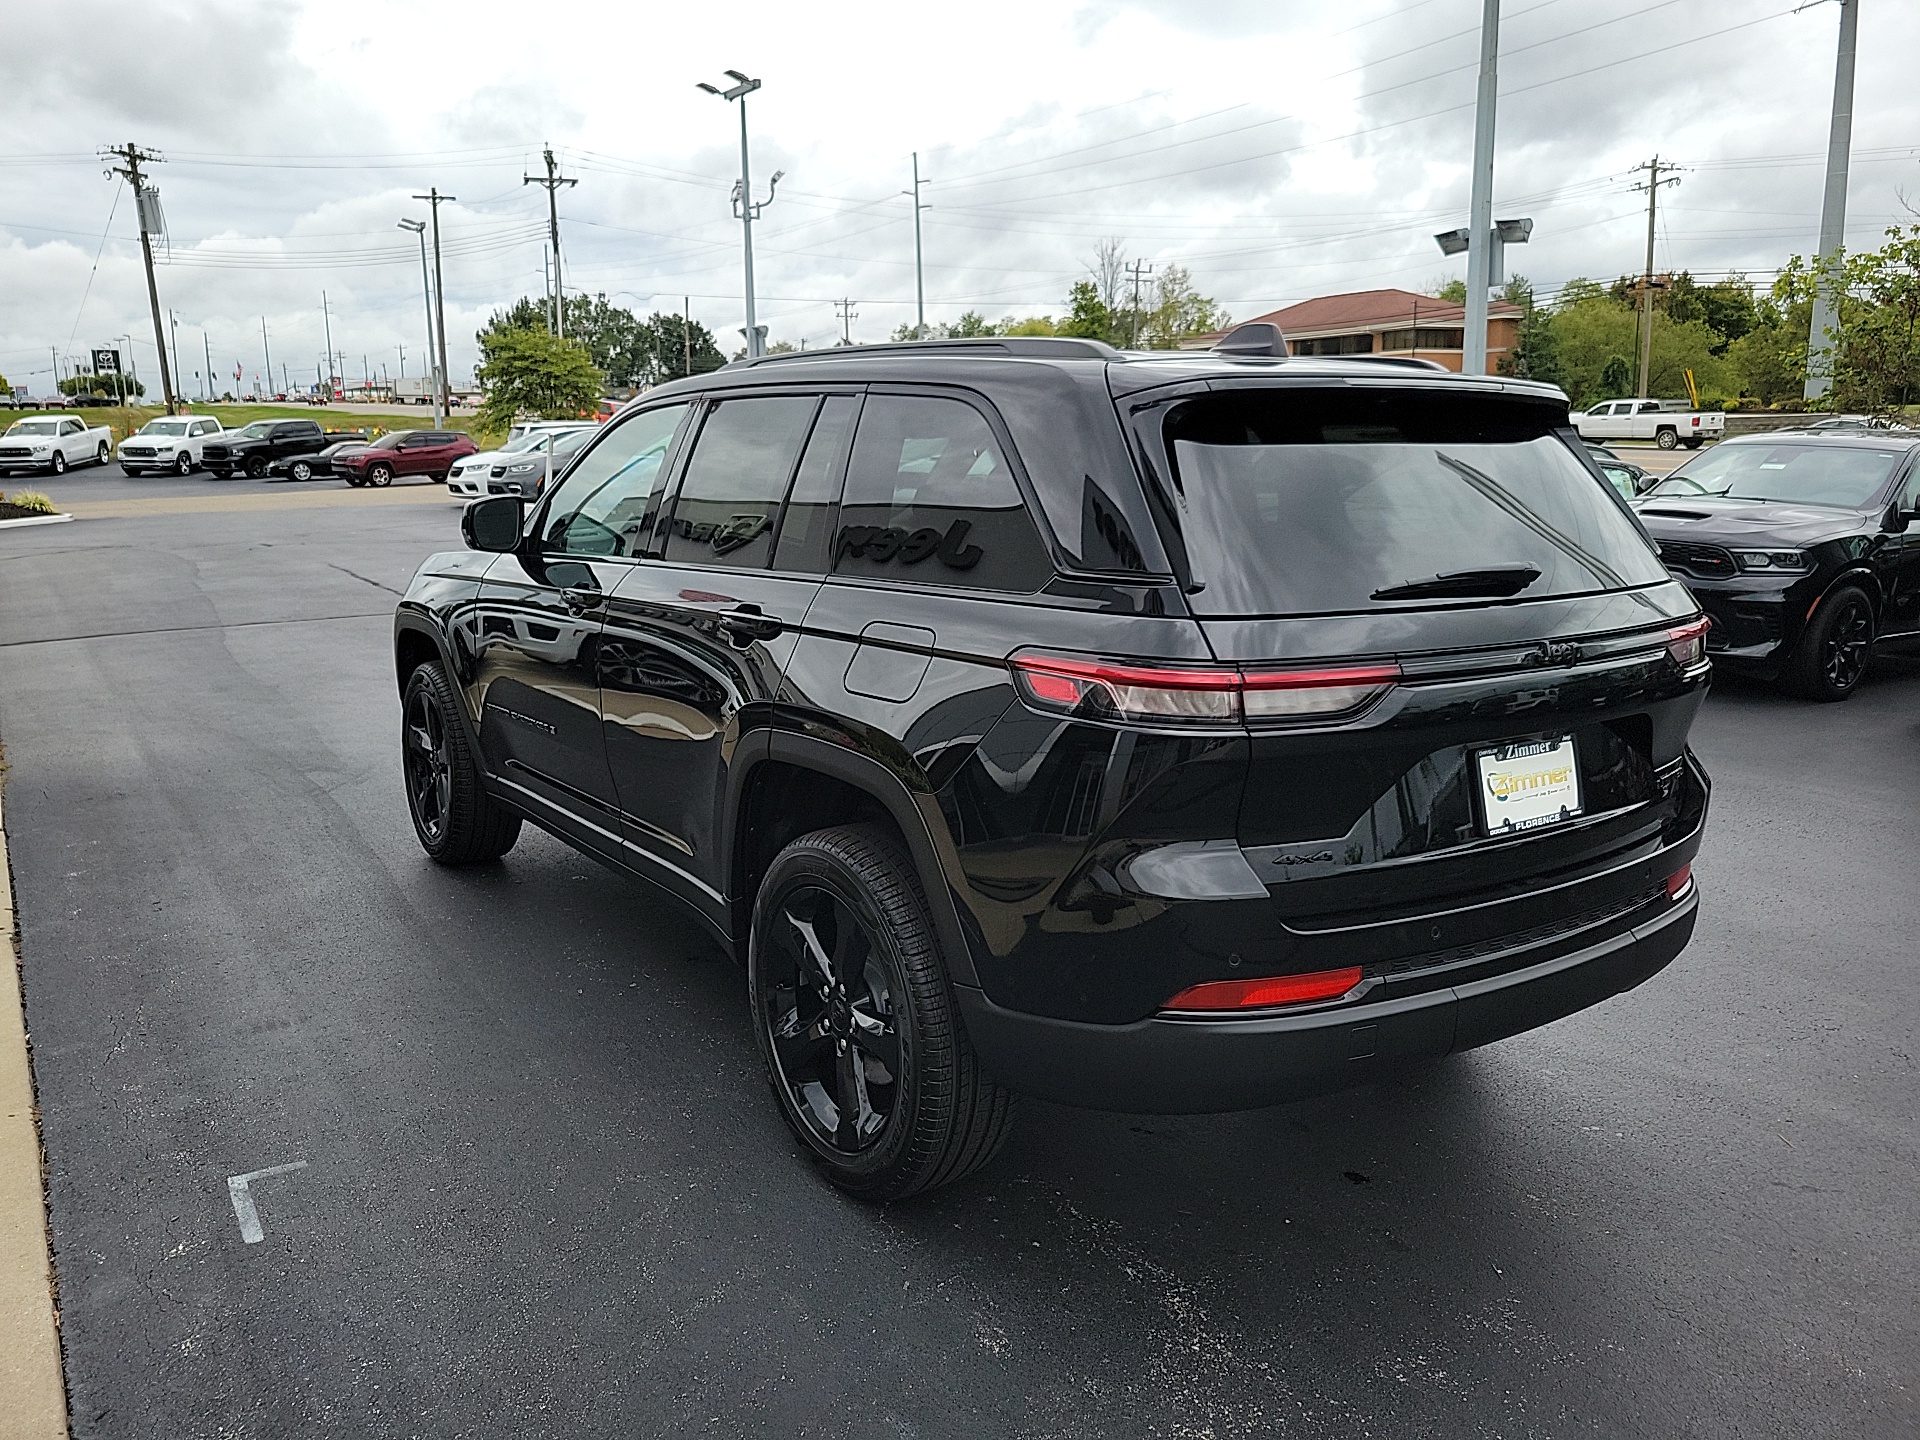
(1833, 209)
(207, 346)
(846, 314)
(743, 203)
(419, 227)
(1652, 186)
(326, 319)
(434, 197)
(173, 334)
(686, 328)
(147, 204)
(403, 361)
(1138, 270)
(1480, 210)
(919, 268)
(553, 180)
(265, 351)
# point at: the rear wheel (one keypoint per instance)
(300, 470)
(856, 1021)
(103, 454)
(1832, 656)
(1666, 439)
(381, 475)
(457, 821)
(1694, 442)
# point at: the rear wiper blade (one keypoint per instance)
(1499, 581)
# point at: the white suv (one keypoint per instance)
(522, 466)
(170, 442)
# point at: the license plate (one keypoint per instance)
(1528, 784)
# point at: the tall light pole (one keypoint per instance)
(419, 227)
(326, 319)
(1833, 209)
(1480, 210)
(207, 346)
(434, 197)
(919, 268)
(743, 205)
(268, 353)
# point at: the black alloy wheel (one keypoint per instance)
(856, 1020)
(1835, 649)
(457, 822)
(257, 468)
(183, 463)
(381, 475)
(59, 462)
(300, 470)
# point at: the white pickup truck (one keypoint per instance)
(168, 442)
(1668, 423)
(52, 443)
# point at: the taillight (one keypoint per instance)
(1217, 995)
(1688, 644)
(1679, 882)
(1180, 695)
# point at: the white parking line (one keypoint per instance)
(244, 1210)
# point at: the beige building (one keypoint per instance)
(1390, 322)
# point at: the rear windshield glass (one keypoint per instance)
(1802, 474)
(1306, 501)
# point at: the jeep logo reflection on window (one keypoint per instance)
(883, 543)
(727, 535)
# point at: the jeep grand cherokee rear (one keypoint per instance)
(1176, 734)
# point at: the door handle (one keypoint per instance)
(745, 622)
(582, 602)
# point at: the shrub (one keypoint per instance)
(30, 500)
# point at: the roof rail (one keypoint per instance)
(1039, 347)
(1412, 362)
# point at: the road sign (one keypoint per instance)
(106, 362)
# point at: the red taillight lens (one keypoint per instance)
(1679, 881)
(1098, 689)
(1688, 643)
(1264, 993)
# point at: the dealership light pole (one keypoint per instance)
(419, 227)
(743, 205)
(434, 197)
(1833, 209)
(1480, 210)
(919, 268)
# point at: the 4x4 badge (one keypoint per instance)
(883, 543)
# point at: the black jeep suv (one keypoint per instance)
(257, 446)
(1162, 733)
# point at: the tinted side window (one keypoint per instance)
(930, 497)
(730, 496)
(806, 533)
(601, 507)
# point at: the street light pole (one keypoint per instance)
(743, 203)
(919, 266)
(1833, 209)
(419, 227)
(434, 197)
(1480, 210)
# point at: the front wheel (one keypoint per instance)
(1666, 439)
(380, 475)
(183, 463)
(58, 465)
(857, 1024)
(1830, 660)
(457, 822)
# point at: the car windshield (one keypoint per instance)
(34, 427)
(164, 427)
(259, 430)
(1798, 474)
(1312, 501)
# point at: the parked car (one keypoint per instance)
(313, 464)
(1854, 424)
(1162, 732)
(53, 443)
(255, 447)
(523, 466)
(1803, 549)
(537, 427)
(168, 442)
(1625, 476)
(1668, 423)
(428, 453)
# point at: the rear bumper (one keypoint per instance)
(1170, 1066)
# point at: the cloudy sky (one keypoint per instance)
(1277, 149)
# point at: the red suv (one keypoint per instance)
(427, 453)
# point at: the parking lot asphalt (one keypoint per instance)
(543, 1190)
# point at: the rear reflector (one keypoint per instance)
(1105, 690)
(1217, 995)
(1687, 644)
(1678, 882)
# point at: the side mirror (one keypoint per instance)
(493, 524)
(1897, 519)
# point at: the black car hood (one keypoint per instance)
(1748, 524)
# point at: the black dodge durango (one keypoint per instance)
(1146, 732)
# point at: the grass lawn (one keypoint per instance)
(127, 419)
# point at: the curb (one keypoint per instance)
(35, 1407)
(35, 520)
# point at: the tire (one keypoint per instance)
(457, 822)
(220, 473)
(103, 454)
(300, 470)
(1833, 653)
(872, 1072)
(380, 475)
(1694, 442)
(130, 471)
(1666, 439)
(183, 463)
(257, 468)
(58, 465)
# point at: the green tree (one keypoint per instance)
(970, 324)
(101, 385)
(1089, 317)
(1596, 340)
(526, 371)
(1454, 292)
(1179, 311)
(1876, 334)
(1032, 325)
(667, 340)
